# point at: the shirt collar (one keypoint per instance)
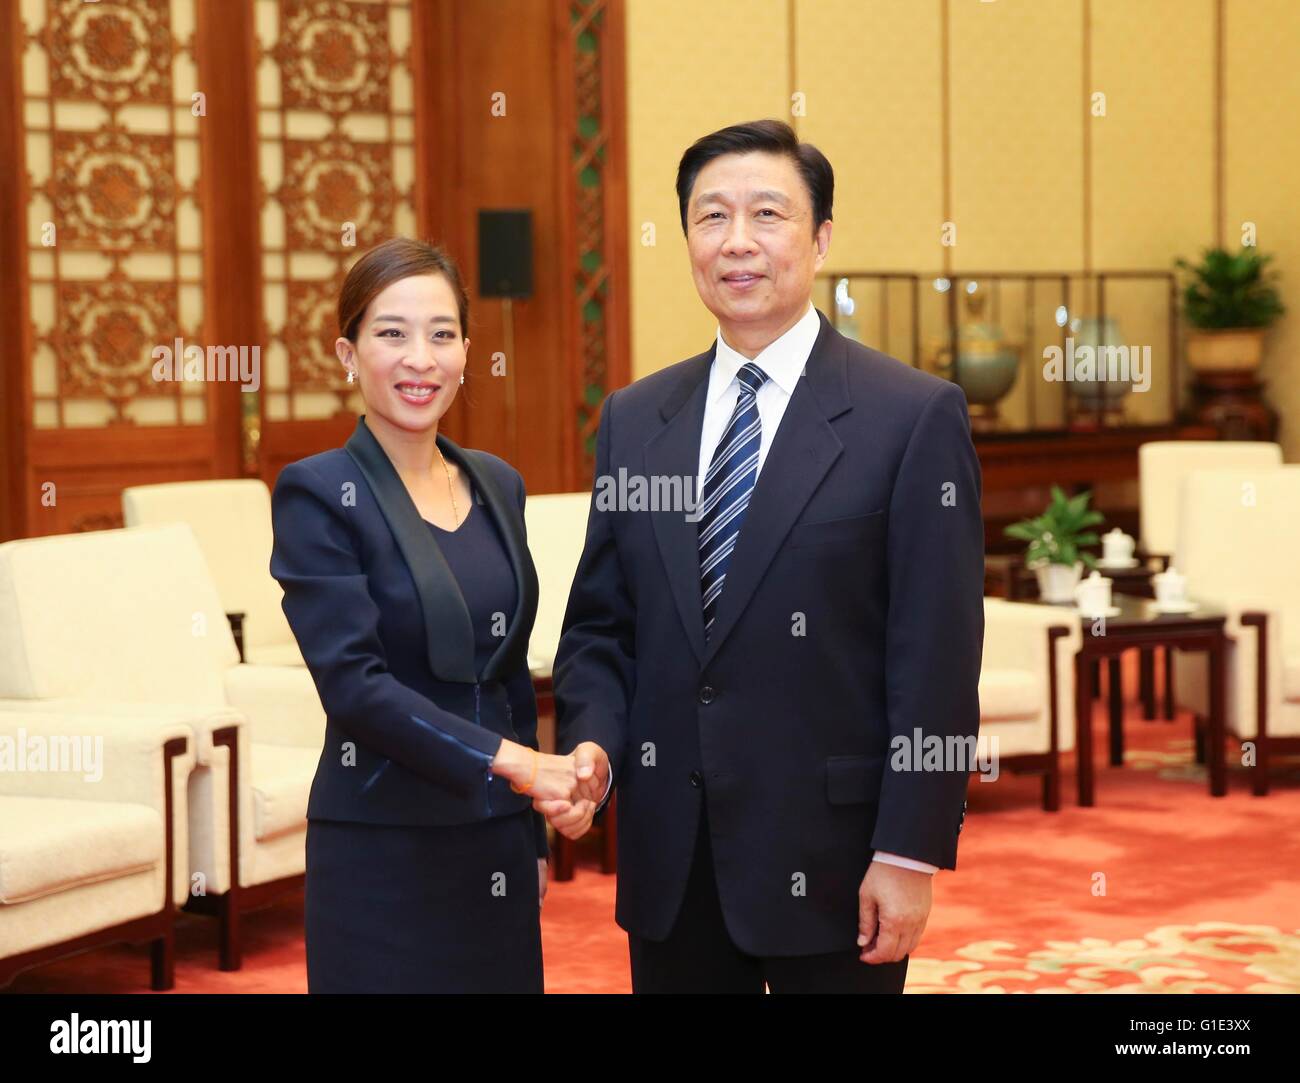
(783, 359)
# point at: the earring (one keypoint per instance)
(462, 377)
(352, 377)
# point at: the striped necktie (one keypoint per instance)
(727, 487)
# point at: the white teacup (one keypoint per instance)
(1117, 547)
(1092, 595)
(1171, 588)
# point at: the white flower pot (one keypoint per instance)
(1056, 582)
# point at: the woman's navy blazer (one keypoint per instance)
(411, 724)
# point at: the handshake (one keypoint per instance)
(565, 789)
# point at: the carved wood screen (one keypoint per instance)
(114, 241)
(198, 175)
(336, 159)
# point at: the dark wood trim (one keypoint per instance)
(231, 957)
(1047, 763)
(618, 312)
(157, 928)
(570, 362)
(1052, 783)
(229, 906)
(1204, 632)
(15, 364)
(284, 442)
(1265, 743)
(225, 53)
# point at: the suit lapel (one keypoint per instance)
(513, 648)
(799, 458)
(674, 452)
(449, 634)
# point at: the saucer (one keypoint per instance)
(1113, 611)
(1174, 607)
(1117, 565)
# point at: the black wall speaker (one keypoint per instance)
(505, 254)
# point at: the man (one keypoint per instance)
(761, 678)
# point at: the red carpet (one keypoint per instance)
(1159, 888)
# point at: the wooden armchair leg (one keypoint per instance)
(1169, 683)
(1147, 683)
(564, 857)
(1259, 775)
(162, 961)
(1198, 734)
(232, 955)
(1052, 786)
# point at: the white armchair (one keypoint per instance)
(1026, 689)
(89, 846)
(1238, 535)
(231, 518)
(1162, 465)
(557, 528)
(128, 623)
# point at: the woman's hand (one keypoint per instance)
(557, 778)
(538, 774)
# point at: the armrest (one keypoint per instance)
(280, 702)
(201, 722)
(90, 757)
(128, 759)
(1250, 619)
(1021, 635)
(1015, 633)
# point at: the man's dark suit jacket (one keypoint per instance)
(864, 535)
(411, 726)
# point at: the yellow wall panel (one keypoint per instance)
(692, 68)
(1262, 137)
(871, 76)
(1017, 137)
(1153, 151)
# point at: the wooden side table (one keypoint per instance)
(1007, 577)
(1139, 624)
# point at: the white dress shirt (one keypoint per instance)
(784, 361)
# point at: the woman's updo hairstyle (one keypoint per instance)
(389, 262)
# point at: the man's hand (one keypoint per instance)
(893, 907)
(542, 878)
(570, 819)
(592, 769)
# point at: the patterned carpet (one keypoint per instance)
(1159, 888)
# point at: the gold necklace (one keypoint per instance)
(451, 489)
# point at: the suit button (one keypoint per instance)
(707, 694)
(697, 779)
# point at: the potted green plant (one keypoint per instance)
(1230, 301)
(1055, 542)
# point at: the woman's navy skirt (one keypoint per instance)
(423, 909)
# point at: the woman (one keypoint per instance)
(409, 587)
